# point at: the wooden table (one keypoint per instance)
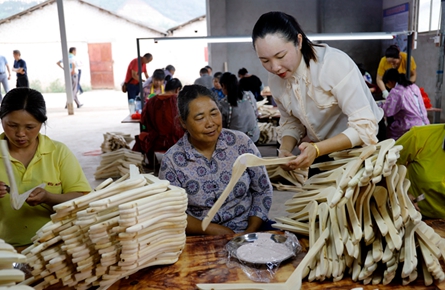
(128, 119)
(204, 261)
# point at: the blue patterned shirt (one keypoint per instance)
(204, 180)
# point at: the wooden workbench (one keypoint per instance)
(204, 261)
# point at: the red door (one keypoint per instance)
(101, 65)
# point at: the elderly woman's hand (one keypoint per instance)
(3, 189)
(284, 153)
(38, 196)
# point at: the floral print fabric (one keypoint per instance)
(204, 180)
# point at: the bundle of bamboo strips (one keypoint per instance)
(374, 228)
(360, 221)
(117, 163)
(114, 231)
(9, 276)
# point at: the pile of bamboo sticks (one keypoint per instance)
(110, 233)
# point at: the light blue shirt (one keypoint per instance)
(3, 63)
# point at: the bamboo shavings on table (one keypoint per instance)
(94, 240)
(114, 141)
(360, 221)
(9, 276)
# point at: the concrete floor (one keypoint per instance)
(103, 112)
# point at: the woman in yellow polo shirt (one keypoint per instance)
(36, 159)
(394, 59)
(423, 155)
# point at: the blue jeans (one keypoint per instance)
(4, 81)
(132, 91)
(79, 88)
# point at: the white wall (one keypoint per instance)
(426, 56)
(188, 57)
(37, 36)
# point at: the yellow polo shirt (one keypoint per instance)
(424, 158)
(53, 164)
(384, 66)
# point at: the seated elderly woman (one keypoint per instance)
(35, 159)
(201, 162)
(423, 155)
(404, 107)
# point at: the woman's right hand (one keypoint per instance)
(3, 189)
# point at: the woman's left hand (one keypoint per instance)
(306, 158)
(37, 196)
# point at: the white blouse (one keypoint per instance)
(326, 99)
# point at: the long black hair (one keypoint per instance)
(394, 75)
(26, 99)
(288, 27)
(234, 92)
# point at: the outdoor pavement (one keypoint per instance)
(102, 112)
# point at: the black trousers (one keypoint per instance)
(22, 82)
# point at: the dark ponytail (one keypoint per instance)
(234, 92)
(394, 75)
(26, 99)
(288, 27)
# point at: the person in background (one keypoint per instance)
(154, 85)
(209, 69)
(74, 75)
(201, 162)
(132, 77)
(4, 80)
(251, 83)
(238, 108)
(423, 155)
(217, 86)
(205, 79)
(319, 91)
(35, 159)
(20, 68)
(404, 106)
(394, 58)
(78, 64)
(368, 79)
(169, 72)
(161, 122)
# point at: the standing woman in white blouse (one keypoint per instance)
(319, 91)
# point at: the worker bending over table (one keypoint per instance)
(394, 58)
(319, 91)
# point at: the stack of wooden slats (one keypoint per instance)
(360, 221)
(9, 276)
(374, 229)
(114, 231)
(117, 163)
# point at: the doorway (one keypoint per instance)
(101, 65)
